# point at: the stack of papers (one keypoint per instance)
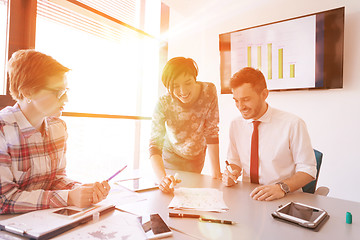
(201, 199)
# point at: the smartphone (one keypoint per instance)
(302, 214)
(159, 228)
(67, 211)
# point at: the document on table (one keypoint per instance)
(120, 225)
(201, 199)
(120, 195)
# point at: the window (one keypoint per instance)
(3, 44)
(115, 72)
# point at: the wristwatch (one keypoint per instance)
(284, 187)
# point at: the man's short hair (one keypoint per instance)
(176, 67)
(29, 71)
(249, 75)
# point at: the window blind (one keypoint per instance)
(98, 26)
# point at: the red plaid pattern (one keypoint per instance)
(32, 165)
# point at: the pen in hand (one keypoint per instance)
(176, 177)
(116, 173)
(228, 167)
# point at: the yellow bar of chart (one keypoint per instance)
(249, 56)
(259, 57)
(292, 70)
(269, 56)
(280, 63)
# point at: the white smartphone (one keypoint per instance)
(159, 229)
(302, 214)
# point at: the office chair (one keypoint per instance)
(311, 186)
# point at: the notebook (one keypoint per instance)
(45, 224)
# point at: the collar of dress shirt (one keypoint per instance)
(264, 118)
(24, 125)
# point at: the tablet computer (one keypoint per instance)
(301, 214)
(138, 184)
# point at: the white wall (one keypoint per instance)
(332, 116)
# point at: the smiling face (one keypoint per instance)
(50, 100)
(250, 103)
(184, 88)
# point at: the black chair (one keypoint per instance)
(311, 186)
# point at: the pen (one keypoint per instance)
(183, 215)
(228, 167)
(217, 221)
(116, 173)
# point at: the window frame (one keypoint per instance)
(21, 35)
(22, 16)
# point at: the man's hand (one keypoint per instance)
(267, 193)
(101, 190)
(230, 178)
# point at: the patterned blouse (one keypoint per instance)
(182, 130)
(32, 165)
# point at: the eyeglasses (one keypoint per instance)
(58, 93)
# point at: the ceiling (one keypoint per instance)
(186, 7)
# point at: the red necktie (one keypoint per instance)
(254, 159)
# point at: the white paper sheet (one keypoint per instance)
(120, 195)
(118, 226)
(201, 199)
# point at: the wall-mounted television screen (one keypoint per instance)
(305, 52)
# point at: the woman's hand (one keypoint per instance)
(168, 183)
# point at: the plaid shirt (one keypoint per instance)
(32, 165)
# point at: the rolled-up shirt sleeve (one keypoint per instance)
(303, 153)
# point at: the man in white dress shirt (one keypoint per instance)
(286, 160)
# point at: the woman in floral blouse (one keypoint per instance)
(185, 123)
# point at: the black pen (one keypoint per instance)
(183, 215)
(217, 221)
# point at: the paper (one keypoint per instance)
(118, 226)
(120, 195)
(202, 199)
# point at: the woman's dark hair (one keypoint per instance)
(176, 67)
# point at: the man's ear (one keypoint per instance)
(264, 93)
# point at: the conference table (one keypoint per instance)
(253, 218)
